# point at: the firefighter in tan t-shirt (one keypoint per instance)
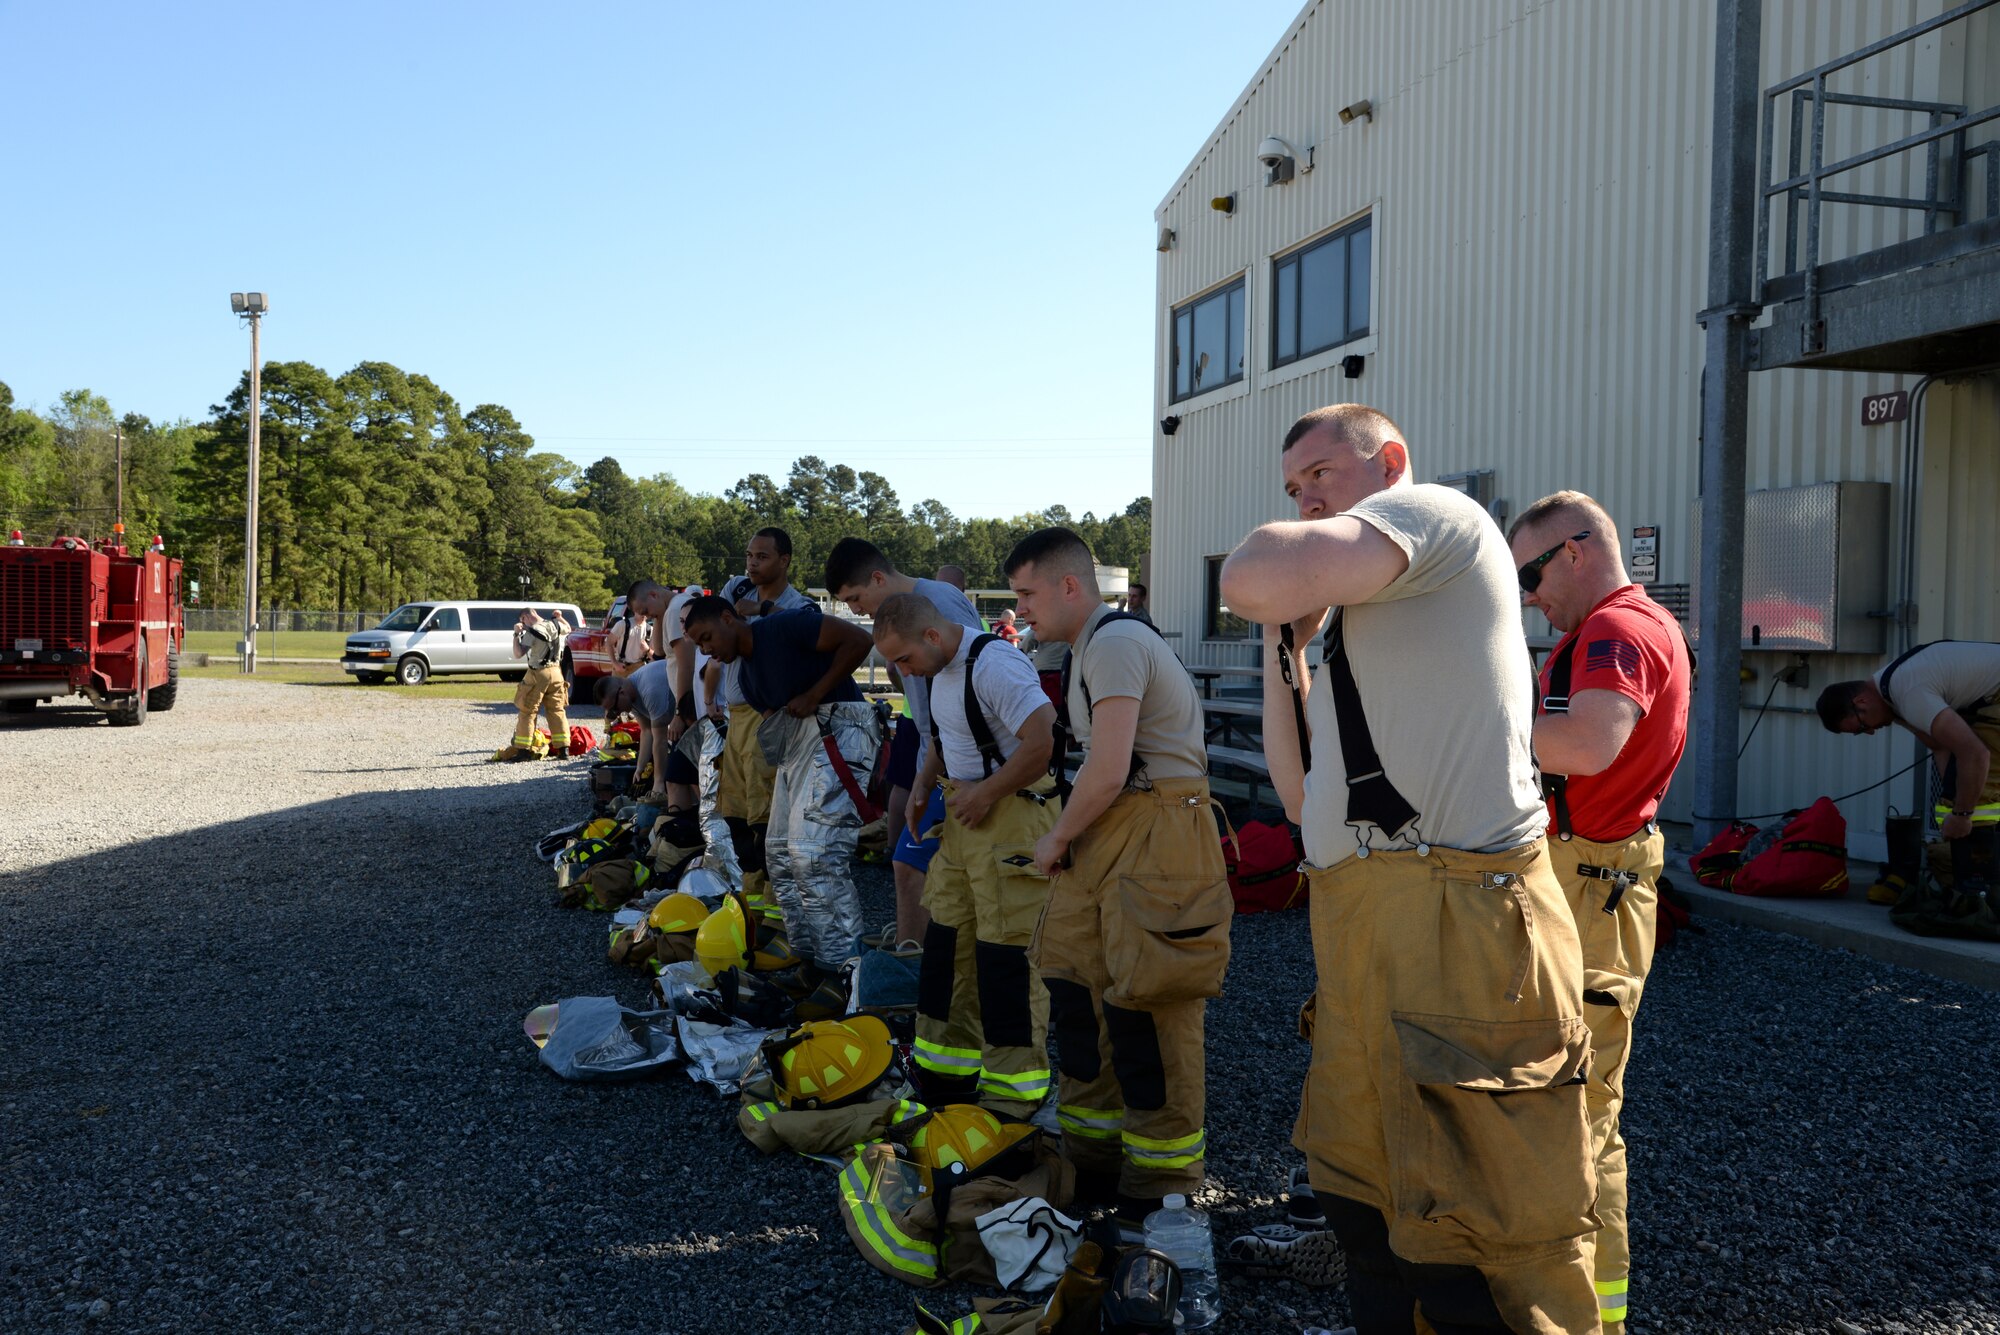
(1443, 1118)
(1136, 934)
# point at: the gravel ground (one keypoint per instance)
(266, 970)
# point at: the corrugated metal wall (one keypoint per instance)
(1538, 172)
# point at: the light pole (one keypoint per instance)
(251, 306)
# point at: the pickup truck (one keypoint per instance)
(587, 655)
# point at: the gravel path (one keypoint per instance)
(266, 960)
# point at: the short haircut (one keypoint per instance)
(1836, 703)
(1569, 508)
(779, 539)
(909, 615)
(1136, 587)
(639, 586)
(1056, 550)
(708, 607)
(1365, 428)
(852, 561)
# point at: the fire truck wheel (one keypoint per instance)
(162, 697)
(413, 671)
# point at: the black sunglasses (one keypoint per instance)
(1531, 573)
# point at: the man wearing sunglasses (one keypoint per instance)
(1443, 1122)
(1611, 724)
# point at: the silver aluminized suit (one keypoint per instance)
(720, 857)
(810, 847)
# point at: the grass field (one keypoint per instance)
(325, 644)
(330, 675)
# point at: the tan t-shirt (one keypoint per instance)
(1443, 672)
(1954, 675)
(1133, 661)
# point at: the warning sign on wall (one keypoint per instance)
(1645, 554)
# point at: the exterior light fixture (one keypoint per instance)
(1169, 424)
(1351, 364)
(1166, 240)
(1364, 110)
(1223, 203)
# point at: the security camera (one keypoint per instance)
(1281, 160)
(1273, 151)
(1363, 111)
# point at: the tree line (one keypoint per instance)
(377, 488)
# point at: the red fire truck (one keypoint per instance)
(90, 619)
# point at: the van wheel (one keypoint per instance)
(513, 676)
(413, 671)
(371, 678)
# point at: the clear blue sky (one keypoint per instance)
(701, 239)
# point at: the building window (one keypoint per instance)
(1321, 294)
(1218, 622)
(1208, 342)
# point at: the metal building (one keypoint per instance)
(1492, 221)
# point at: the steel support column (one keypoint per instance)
(1725, 380)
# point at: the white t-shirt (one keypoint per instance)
(1009, 691)
(701, 662)
(958, 609)
(1442, 668)
(670, 624)
(630, 638)
(1959, 674)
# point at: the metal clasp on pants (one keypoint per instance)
(1498, 880)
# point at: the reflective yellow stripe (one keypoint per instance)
(1026, 1085)
(884, 1238)
(1177, 1152)
(946, 1061)
(1611, 1298)
(1090, 1123)
(762, 1111)
(1989, 811)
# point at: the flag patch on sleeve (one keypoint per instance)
(1612, 656)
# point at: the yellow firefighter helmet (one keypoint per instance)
(828, 1063)
(964, 1133)
(677, 913)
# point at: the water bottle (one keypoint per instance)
(1181, 1231)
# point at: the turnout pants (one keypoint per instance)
(1614, 920)
(720, 856)
(1444, 1119)
(542, 691)
(982, 1014)
(1985, 726)
(1134, 940)
(744, 802)
(814, 826)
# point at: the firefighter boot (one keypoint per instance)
(1906, 860)
(1970, 911)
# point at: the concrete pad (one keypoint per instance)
(1850, 923)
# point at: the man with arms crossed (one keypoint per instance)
(982, 1015)
(796, 672)
(1136, 935)
(1610, 729)
(1443, 1119)
(860, 575)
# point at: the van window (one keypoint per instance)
(447, 619)
(494, 618)
(407, 617)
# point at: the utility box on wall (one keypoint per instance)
(1815, 569)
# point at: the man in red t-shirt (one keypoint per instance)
(1611, 721)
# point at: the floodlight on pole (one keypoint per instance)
(251, 306)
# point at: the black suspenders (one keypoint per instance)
(975, 717)
(1062, 729)
(1371, 798)
(1554, 786)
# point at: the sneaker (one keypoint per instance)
(1311, 1257)
(1302, 1208)
(882, 940)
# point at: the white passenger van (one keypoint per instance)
(420, 640)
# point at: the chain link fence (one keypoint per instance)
(281, 619)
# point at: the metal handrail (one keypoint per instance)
(1948, 121)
